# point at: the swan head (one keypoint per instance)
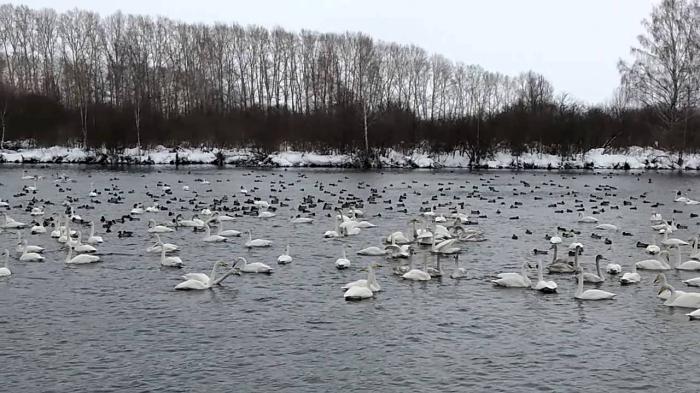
(599, 258)
(660, 278)
(666, 287)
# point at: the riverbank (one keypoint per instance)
(630, 158)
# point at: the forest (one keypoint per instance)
(117, 81)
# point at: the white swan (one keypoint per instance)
(11, 223)
(691, 265)
(209, 238)
(418, 274)
(607, 227)
(169, 261)
(598, 277)
(80, 259)
(654, 264)
(695, 315)
(459, 272)
(38, 228)
(357, 293)
(155, 228)
(542, 285)
(372, 251)
(93, 239)
(285, 258)
(444, 247)
(5, 270)
(82, 248)
(255, 267)
(342, 262)
(37, 211)
(195, 222)
(397, 238)
(586, 219)
(251, 243)
(266, 214)
(630, 278)
(333, 234)
(227, 232)
(159, 245)
(692, 282)
(672, 242)
(664, 293)
(302, 220)
(200, 281)
(370, 282)
(590, 294)
(678, 299)
(514, 280)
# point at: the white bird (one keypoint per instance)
(159, 245)
(630, 277)
(170, 261)
(691, 265)
(200, 281)
(266, 214)
(654, 264)
(30, 257)
(663, 293)
(38, 228)
(80, 259)
(357, 293)
(285, 258)
(195, 222)
(94, 239)
(255, 267)
(598, 277)
(209, 238)
(514, 280)
(681, 299)
(155, 228)
(251, 243)
(444, 247)
(613, 268)
(417, 274)
(692, 282)
(5, 270)
(695, 315)
(372, 251)
(459, 272)
(542, 285)
(607, 227)
(37, 211)
(226, 232)
(342, 262)
(11, 223)
(590, 294)
(397, 238)
(586, 219)
(82, 248)
(672, 242)
(333, 234)
(302, 220)
(370, 282)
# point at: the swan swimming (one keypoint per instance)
(252, 243)
(285, 258)
(370, 282)
(255, 267)
(343, 262)
(654, 264)
(681, 299)
(5, 270)
(590, 294)
(630, 278)
(93, 239)
(542, 285)
(200, 281)
(514, 280)
(80, 259)
(155, 228)
(417, 274)
(170, 261)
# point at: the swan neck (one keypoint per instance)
(579, 288)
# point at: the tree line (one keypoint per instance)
(126, 80)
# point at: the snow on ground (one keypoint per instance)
(631, 158)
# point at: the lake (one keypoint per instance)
(119, 325)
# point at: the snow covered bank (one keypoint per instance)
(631, 158)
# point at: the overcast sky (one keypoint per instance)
(575, 43)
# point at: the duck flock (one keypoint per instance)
(434, 245)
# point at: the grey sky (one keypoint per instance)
(575, 43)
